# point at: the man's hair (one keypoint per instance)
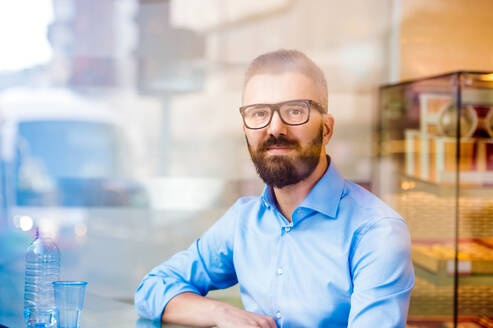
(281, 61)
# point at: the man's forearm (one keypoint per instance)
(191, 309)
(195, 310)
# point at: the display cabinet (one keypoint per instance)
(435, 167)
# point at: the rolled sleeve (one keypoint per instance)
(383, 275)
(206, 265)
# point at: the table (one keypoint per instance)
(100, 311)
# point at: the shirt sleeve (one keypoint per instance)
(206, 265)
(382, 274)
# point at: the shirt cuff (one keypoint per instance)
(150, 301)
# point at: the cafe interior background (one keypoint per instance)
(121, 138)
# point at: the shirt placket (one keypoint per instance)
(281, 270)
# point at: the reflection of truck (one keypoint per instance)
(59, 155)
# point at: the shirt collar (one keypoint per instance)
(323, 198)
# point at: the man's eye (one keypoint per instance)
(294, 112)
(259, 114)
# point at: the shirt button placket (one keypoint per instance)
(280, 271)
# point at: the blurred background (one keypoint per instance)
(120, 134)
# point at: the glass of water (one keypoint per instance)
(69, 299)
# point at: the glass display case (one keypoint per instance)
(435, 167)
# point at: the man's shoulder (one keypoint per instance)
(369, 207)
(246, 205)
(242, 208)
(372, 217)
(242, 212)
(247, 202)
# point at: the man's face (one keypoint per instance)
(283, 154)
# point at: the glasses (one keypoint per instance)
(292, 112)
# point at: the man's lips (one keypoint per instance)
(278, 150)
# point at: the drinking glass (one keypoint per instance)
(69, 299)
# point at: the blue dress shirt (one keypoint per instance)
(344, 261)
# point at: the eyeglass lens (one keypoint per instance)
(291, 113)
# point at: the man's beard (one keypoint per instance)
(283, 170)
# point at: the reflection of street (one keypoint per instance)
(121, 246)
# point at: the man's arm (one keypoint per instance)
(174, 290)
(382, 274)
(207, 264)
(195, 310)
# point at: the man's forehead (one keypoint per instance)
(273, 88)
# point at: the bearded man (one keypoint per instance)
(313, 250)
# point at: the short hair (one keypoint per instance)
(283, 60)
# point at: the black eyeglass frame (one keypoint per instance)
(276, 108)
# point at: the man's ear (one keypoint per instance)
(328, 125)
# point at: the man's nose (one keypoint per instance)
(276, 126)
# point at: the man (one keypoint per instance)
(314, 250)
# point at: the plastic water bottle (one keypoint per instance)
(42, 268)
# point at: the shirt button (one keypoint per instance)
(287, 229)
(280, 271)
(278, 315)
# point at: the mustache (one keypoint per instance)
(280, 141)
